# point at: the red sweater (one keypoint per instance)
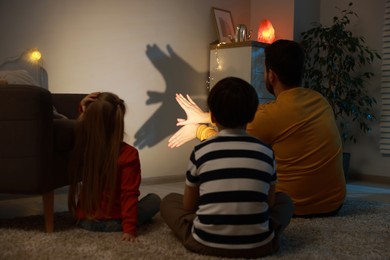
(125, 203)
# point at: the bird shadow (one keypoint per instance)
(179, 77)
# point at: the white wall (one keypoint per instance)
(240, 10)
(252, 12)
(122, 46)
(366, 157)
(306, 15)
(280, 13)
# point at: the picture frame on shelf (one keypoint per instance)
(224, 25)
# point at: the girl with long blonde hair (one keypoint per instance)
(105, 171)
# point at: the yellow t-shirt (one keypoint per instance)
(300, 127)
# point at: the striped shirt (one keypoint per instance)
(234, 172)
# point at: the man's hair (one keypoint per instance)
(285, 58)
(233, 102)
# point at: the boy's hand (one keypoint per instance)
(128, 237)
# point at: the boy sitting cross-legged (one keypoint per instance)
(229, 207)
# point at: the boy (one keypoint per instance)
(229, 207)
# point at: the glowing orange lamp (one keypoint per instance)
(266, 32)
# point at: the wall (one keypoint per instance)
(366, 158)
(280, 13)
(306, 15)
(240, 10)
(145, 51)
(251, 12)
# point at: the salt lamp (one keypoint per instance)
(266, 32)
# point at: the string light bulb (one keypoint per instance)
(218, 66)
(35, 55)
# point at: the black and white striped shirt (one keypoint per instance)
(234, 172)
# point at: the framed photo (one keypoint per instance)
(224, 25)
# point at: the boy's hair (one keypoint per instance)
(99, 135)
(233, 102)
(286, 59)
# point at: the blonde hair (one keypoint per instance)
(93, 169)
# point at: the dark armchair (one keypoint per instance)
(35, 149)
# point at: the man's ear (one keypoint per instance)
(272, 76)
(212, 117)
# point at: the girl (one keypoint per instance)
(109, 169)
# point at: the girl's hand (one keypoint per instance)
(128, 237)
(87, 100)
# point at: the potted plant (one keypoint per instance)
(336, 66)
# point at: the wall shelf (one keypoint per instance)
(244, 60)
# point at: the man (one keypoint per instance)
(299, 125)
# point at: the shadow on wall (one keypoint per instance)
(179, 77)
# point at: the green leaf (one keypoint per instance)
(335, 66)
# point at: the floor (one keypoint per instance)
(18, 206)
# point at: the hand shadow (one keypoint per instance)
(179, 77)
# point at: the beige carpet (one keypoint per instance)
(361, 231)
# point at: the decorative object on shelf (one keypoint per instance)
(242, 34)
(266, 32)
(224, 25)
(336, 66)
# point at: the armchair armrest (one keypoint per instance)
(26, 134)
(35, 148)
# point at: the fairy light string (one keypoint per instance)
(216, 68)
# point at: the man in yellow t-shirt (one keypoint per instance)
(299, 125)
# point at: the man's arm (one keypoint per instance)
(183, 135)
(204, 132)
(195, 115)
(190, 127)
